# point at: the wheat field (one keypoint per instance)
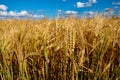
(60, 49)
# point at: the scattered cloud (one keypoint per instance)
(90, 12)
(3, 7)
(116, 3)
(59, 10)
(108, 9)
(22, 14)
(60, 13)
(70, 13)
(85, 4)
(93, 1)
(80, 5)
(12, 13)
(116, 7)
(3, 13)
(88, 4)
(37, 16)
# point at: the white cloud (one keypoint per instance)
(3, 13)
(85, 4)
(108, 12)
(3, 7)
(38, 16)
(23, 13)
(80, 5)
(108, 9)
(93, 1)
(90, 12)
(71, 12)
(59, 10)
(12, 13)
(116, 3)
(88, 4)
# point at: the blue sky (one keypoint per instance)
(51, 8)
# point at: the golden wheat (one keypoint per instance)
(60, 49)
